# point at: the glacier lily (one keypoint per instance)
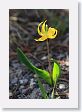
(46, 32)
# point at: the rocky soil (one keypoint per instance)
(22, 82)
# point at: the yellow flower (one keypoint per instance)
(46, 32)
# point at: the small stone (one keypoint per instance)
(44, 58)
(35, 75)
(21, 81)
(25, 81)
(14, 81)
(15, 65)
(19, 72)
(10, 94)
(32, 82)
(61, 86)
(58, 97)
(67, 63)
(21, 87)
(35, 94)
(24, 91)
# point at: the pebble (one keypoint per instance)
(23, 81)
(21, 87)
(61, 56)
(35, 94)
(10, 94)
(19, 72)
(32, 82)
(67, 63)
(44, 58)
(61, 86)
(24, 91)
(14, 81)
(15, 65)
(58, 97)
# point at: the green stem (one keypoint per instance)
(49, 64)
(53, 92)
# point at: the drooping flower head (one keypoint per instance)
(46, 32)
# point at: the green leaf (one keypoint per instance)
(43, 91)
(56, 72)
(41, 73)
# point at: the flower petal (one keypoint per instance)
(43, 30)
(39, 32)
(41, 39)
(52, 33)
(52, 37)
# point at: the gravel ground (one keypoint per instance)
(22, 31)
(23, 83)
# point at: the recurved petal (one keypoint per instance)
(43, 30)
(39, 32)
(52, 33)
(52, 37)
(41, 39)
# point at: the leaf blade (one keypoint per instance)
(41, 73)
(55, 72)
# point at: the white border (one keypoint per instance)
(72, 102)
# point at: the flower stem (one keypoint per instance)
(49, 64)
